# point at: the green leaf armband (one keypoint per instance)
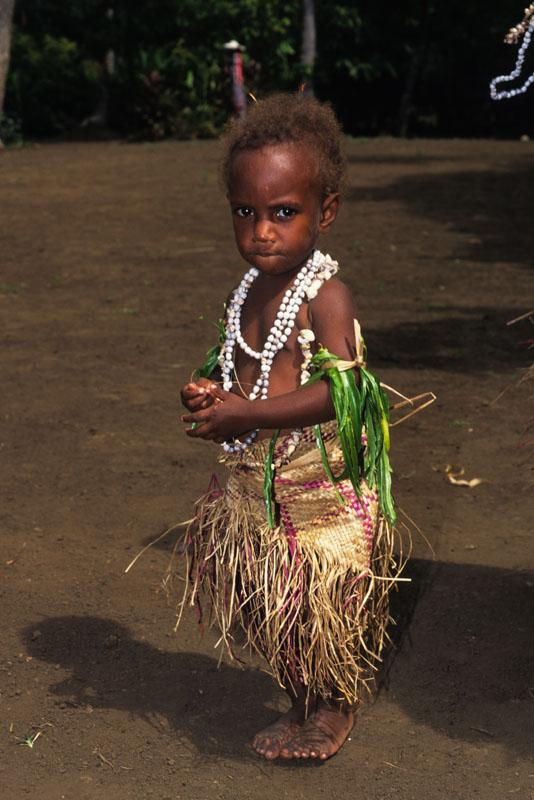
(359, 409)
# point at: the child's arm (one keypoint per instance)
(332, 314)
(235, 415)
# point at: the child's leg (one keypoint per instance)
(323, 732)
(270, 741)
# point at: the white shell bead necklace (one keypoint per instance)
(506, 94)
(308, 281)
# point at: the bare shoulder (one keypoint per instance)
(332, 314)
(333, 298)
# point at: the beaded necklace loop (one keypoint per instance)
(311, 276)
(524, 29)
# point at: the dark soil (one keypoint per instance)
(114, 258)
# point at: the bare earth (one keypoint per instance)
(109, 255)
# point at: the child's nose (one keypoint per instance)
(263, 231)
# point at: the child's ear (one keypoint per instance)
(329, 209)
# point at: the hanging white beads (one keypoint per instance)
(317, 269)
(506, 94)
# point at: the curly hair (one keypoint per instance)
(290, 118)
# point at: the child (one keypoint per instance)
(295, 548)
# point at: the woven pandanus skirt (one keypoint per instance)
(311, 594)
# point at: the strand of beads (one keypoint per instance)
(506, 94)
(305, 284)
(305, 339)
(234, 313)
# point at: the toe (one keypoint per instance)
(287, 751)
(261, 747)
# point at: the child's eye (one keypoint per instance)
(285, 212)
(243, 211)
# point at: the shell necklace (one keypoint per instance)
(307, 283)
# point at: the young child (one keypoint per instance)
(296, 548)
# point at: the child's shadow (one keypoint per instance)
(188, 691)
(466, 667)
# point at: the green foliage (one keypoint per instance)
(357, 408)
(50, 86)
(179, 85)
(212, 356)
(11, 288)
(167, 91)
(10, 131)
(419, 66)
(172, 74)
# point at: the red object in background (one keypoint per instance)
(238, 81)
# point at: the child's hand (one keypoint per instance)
(226, 416)
(196, 396)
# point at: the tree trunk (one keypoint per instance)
(415, 67)
(6, 22)
(406, 103)
(309, 42)
(99, 117)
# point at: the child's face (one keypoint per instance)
(277, 207)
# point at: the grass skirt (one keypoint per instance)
(311, 595)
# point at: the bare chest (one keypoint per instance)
(257, 320)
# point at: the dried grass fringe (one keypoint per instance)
(315, 624)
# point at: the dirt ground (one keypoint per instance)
(114, 258)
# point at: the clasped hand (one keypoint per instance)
(215, 414)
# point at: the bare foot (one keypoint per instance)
(321, 735)
(269, 741)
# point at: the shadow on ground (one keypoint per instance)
(491, 208)
(462, 340)
(465, 665)
(111, 669)
(471, 679)
(419, 157)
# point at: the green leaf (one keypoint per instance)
(356, 407)
(210, 364)
(189, 79)
(212, 356)
(268, 479)
(326, 464)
